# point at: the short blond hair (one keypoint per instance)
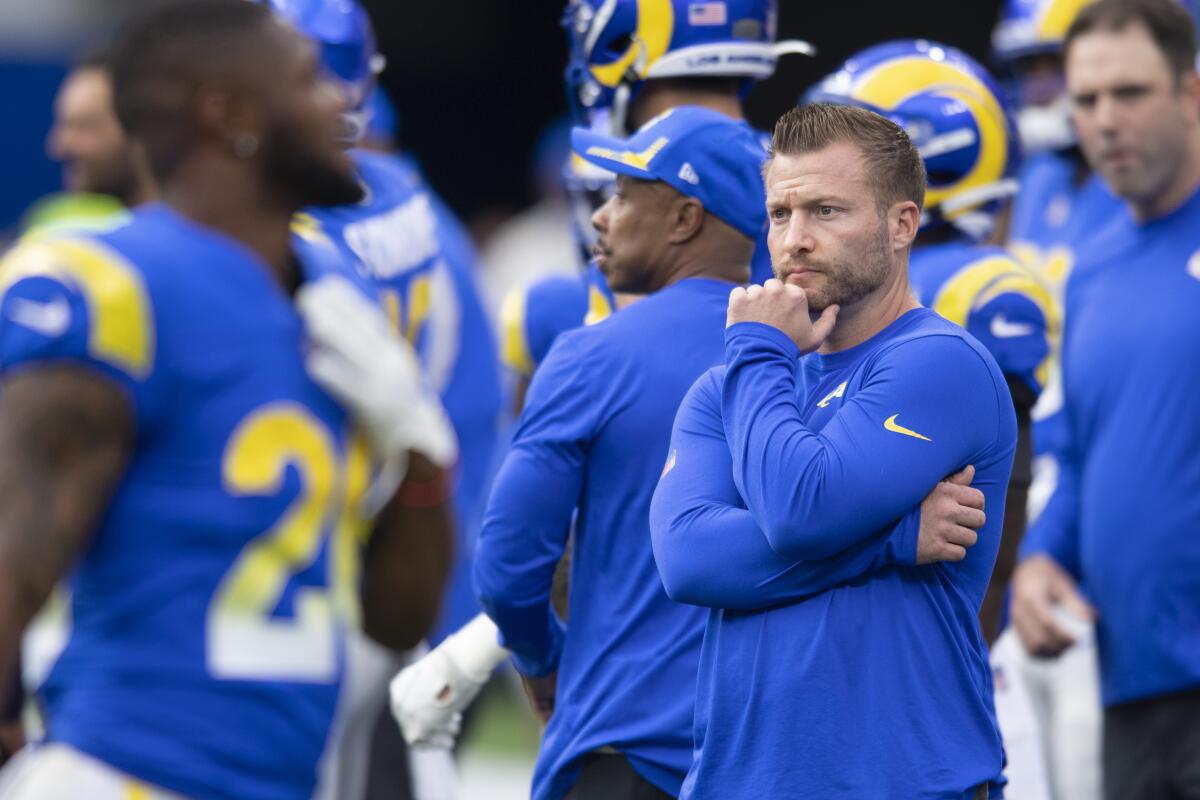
(894, 168)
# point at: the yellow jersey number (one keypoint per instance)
(244, 640)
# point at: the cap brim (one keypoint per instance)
(613, 154)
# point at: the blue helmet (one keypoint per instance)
(954, 112)
(617, 45)
(344, 34)
(1033, 27)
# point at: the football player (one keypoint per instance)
(196, 410)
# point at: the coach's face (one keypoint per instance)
(631, 246)
(87, 138)
(1133, 116)
(827, 233)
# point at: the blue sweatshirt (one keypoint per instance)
(593, 438)
(878, 686)
(1125, 516)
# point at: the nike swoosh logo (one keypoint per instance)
(49, 319)
(1001, 328)
(890, 424)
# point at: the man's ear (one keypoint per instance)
(1189, 86)
(227, 118)
(904, 220)
(686, 220)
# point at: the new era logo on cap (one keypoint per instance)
(707, 14)
(686, 173)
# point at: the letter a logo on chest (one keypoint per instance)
(840, 391)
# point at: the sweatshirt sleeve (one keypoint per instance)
(708, 547)
(528, 516)
(928, 406)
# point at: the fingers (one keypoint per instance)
(1072, 601)
(1040, 588)
(824, 324)
(963, 477)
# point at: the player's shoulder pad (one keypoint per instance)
(75, 296)
(981, 280)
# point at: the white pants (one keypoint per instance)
(60, 772)
(1051, 719)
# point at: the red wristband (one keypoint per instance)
(423, 494)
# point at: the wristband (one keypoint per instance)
(424, 494)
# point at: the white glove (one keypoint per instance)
(428, 697)
(357, 358)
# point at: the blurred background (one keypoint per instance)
(477, 83)
(478, 90)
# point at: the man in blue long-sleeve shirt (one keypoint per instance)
(877, 686)
(593, 437)
(1123, 522)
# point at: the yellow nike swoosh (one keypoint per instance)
(890, 424)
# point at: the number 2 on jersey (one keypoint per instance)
(244, 640)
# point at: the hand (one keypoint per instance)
(950, 515)
(783, 306)
(356, 358)
(1041, 592)
(541, 693)
(429, 696)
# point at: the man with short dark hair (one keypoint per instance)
(195, 412)
(842, 403)
(1120, 526)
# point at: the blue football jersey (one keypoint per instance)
(998, 301)
(393, 235)
(532, 317)
(210, 604)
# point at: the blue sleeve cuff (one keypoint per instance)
(542, 664)
(769, 336)
(902, 542)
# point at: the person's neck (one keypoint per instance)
(702, 265)
(861, 321)
(232, 199)
(1183, 185)
(655, 99)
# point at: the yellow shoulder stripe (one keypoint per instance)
(121, 320)
(514, 345)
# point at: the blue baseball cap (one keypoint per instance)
(699, 152)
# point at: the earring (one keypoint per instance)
(245, 145)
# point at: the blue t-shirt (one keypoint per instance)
(1126, 510)
(878, 686)
(210, 605)
(593, 438)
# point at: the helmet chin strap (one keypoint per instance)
(623, 94)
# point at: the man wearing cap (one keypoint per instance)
(592, 437)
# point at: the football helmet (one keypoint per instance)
(956, 116)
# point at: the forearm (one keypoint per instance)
(718, 558)
(523, 539)
(408, 560)
(815, 494)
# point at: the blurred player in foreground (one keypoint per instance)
(203, 376)
(842, 404)
(407, 241)
(1120, 524)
